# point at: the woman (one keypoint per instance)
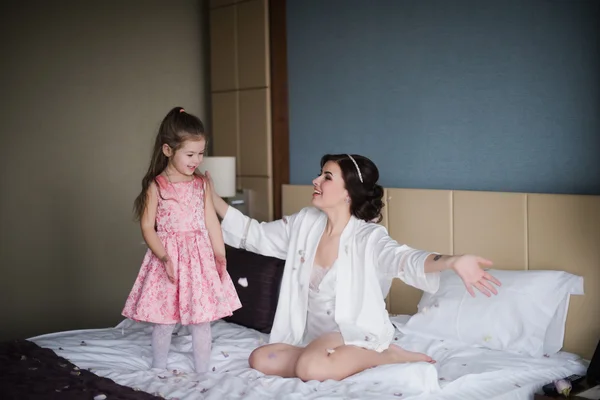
(331, 320)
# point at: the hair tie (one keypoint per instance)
(357, 169)
(182, 110)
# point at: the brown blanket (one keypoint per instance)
(28, 371)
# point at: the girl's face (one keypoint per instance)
(187, 158)
(329, 187)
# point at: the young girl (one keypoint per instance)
(183, 278)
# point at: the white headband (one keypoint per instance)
(357, 169)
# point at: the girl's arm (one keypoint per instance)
(212, 223)
(147, 224)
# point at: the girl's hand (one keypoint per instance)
(468, 268)
(221, 262)
(169, 268)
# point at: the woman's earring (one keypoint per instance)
(347, 200)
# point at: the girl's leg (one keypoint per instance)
(161, 341)
(317, 363)
(276, 359)
(202, 345)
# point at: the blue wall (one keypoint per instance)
(473, 95)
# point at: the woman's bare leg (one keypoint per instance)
(276, 359)
(317, 362)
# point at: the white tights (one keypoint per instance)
(201, 343)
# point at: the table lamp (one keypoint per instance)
(222, 172)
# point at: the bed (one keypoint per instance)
(521, 232)
(123, 354)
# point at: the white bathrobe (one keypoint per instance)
(368, 260)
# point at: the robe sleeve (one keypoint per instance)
(266, 238)
(393, 260)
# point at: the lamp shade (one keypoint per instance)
(222, 172)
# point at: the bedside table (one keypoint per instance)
(578, 388)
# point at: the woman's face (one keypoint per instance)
(329, 187)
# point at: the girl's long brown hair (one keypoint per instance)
(177, 127)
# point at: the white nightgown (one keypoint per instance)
(320, 318)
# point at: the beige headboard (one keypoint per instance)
(514, 230)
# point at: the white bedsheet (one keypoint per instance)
(123, 354)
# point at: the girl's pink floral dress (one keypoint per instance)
(203, 290)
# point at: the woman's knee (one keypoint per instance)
(275, 359)
(259, 359)
(311, 367)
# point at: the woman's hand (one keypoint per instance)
(211, 185)
(468, 268)
(219, 205)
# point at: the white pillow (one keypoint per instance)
(555, 334)
(527, 315)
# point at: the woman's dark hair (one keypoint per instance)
(177, 127)
(365, 197)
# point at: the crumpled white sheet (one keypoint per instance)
(124, 355)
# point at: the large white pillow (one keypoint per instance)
(516, 320)
(555, 334)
